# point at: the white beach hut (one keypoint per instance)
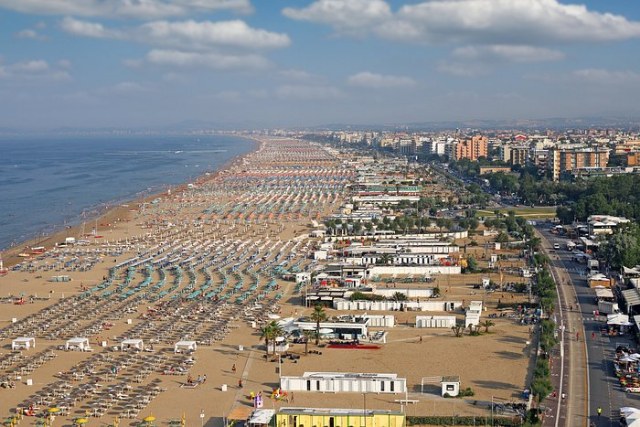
(132, 344)
(450, 386)
(185, 346)
(81, 344)
(279, 345)
(23, 343)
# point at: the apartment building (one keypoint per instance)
(472, 149)
(567, 160)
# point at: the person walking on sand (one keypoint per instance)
(240, 383)
(233, 368)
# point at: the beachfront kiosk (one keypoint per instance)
(450, 386)
(364, 417)
(345, 382)
(185, 346)
(279, 345)
(23, 343)
(132, 344)
(80, 344)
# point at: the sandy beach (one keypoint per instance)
(199, 263)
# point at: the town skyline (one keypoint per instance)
(150, 63)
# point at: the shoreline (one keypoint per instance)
(119, 212)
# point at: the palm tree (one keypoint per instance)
(307, 334)
(269, 332)
(266, 333)
(457, 330)
(487, 324)
(318, 315)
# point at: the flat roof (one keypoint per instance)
(261, 416)
(360, 375)
(337, 411)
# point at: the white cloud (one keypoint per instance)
(140, 9)
(36, 69)
(345, 16)
(207, 34)
(299, 75)
(507, 53)
(493, 22)
(191, 35)
(377, 81)
(308, 92)
(28, 34)
(35, 66)
(212, 60)
(462, 69)
(64, 63)
(607, 77)
(88, 29)
(470, 61)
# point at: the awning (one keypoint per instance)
(631, 297)
(261, 416)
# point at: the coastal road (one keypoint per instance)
(588, 352)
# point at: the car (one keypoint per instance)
(556, 246)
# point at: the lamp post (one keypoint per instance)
(202, 418)
(491, 411)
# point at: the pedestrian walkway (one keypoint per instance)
(244, 377)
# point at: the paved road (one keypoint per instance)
(578, 307)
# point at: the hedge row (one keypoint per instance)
(463, 421)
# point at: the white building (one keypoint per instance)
(345, 382)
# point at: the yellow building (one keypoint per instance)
(325, 417)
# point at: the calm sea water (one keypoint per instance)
(47, 183)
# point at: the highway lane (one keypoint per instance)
(604, 389)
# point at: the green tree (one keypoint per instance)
(269, 333)
(399, 296)
(318, 315)
(457, 330)
(486, 325)
(623, 248)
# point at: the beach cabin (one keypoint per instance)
(345, 382)
(185, 346)
(132, 344)
(23, 343)
(80, 344)
(344, 330)
(279, 345)
(472, 315)
(450, 386)
(435, 321)
(352, 417)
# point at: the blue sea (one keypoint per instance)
(46, 184)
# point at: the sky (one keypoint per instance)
(286, 63)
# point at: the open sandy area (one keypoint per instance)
(212, 248)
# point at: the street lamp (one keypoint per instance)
(492, 411)
(202, 418)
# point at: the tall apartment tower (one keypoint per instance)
(477, 146)
(563, 160)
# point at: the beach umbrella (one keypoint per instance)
(149, 419)
(81, 421)
(53, 410)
